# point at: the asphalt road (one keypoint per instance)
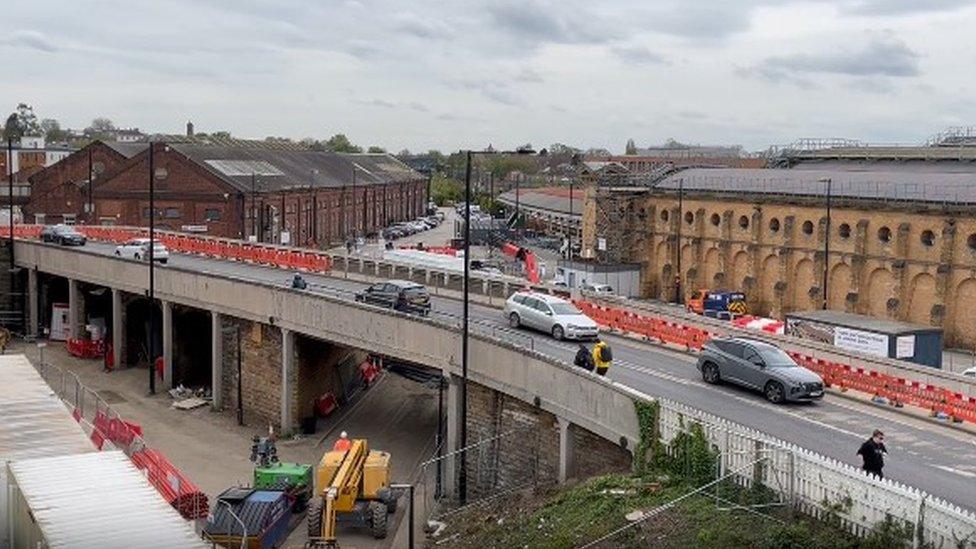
(936, 459)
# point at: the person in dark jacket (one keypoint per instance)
(873, 451)
(583, 358)
(298, 282)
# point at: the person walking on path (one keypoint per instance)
(602, 357)
(872, 452)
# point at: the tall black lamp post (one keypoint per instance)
(678, 298)
(10, 205)
(826, 265)
(152, 270)
(463, 442)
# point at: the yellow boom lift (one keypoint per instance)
(350, 486)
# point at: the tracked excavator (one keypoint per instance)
(350, 486)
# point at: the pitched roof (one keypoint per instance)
(277, 169)
(942, 187)
(127, 150)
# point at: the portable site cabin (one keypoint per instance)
(870, 335)
(96, 501)
(34, 422)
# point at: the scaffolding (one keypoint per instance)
(621, 229)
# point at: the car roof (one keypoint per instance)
(754, 342)
(405, 283)
(548, 298)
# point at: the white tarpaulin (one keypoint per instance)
(857, 340)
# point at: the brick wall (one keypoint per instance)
(260, 367)
(530, 454)
(62, 187)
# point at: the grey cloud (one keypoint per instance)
(31, 39)
(638, 55)
(872, 85)
(885, 56)
(529, 76)
(535, 22)
(902, 7)
(383, 103)
(422, 27)
(495, 91)
(417, 106)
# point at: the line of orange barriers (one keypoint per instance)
(898, 391)
(86, 348)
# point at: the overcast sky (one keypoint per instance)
(465, 73)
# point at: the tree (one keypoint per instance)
(52, 130)
(560, 149)
(100, 128)
(631, 148)
(22, 122)
(374, 149)
(340, 143)
(404, 153)
(443, 189)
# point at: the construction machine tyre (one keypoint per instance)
(314, 518)
(391, 504)
(377, 519)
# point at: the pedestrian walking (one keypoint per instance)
(602, 357)
(873, 452)
(584, 359)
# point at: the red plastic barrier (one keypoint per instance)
(182, 494)
(326, 404)
(86, 348)
(369, 371)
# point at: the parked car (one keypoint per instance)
(761, 366)
(138, 249)
(970, 372)
(400, 295)
(550, 314)
(65, 235)
(604, 289)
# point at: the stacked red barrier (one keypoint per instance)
(182, 494)
(86, 348)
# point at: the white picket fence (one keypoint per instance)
(812, 482)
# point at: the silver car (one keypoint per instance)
(549, 314)
(761, 366)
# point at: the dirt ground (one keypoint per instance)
(396, 415)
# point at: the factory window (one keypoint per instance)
(744, 222)
(774, 225)
(716, 219)
(689, 217)
(173, 213)
(808, 227)
(884, 234)
(162, 173)
(211, 214)
(972, 242)
(928, 238)
(844, 230)
(665, 215)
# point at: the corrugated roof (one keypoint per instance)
(288, 169)
(557, 203)
(99, 501)
(33, 420)
(942, 187)
(862, 322)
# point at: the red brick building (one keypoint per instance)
(308, 198)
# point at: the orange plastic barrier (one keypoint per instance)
(898, 391)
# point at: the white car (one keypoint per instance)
(604, 289)
(138, 249)
(550, 314)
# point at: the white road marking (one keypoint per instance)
(956, 471)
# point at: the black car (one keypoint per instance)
(64, 235)
(400, 295)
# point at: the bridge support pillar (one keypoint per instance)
(118, 328)
(453, 435)
(287, 371)
(216, 360)
(76, 310)
(485, 285)
(427, 276)
(565, 449)
(505, 290)
(33, 316)
(167, 307)
(447, 279)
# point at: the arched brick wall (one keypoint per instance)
(803, 279)
(964, 317)
(740, 270)
(712, 266)
(839, 286)
(921, 297)
(881, 287)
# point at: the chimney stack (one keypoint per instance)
(189, 129)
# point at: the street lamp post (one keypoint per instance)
(826, 265)
(152, 270)
(569, 224)
(677, 278)
(463, 439)
(10, 205)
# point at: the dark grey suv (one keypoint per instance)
(761, 366)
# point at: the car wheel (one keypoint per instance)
(118, 253)
(137, 257)
(514, 321)
(558, 333)
(164, 261)
(774, 392)
(710, 373)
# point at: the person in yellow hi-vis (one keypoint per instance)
(602, 357)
